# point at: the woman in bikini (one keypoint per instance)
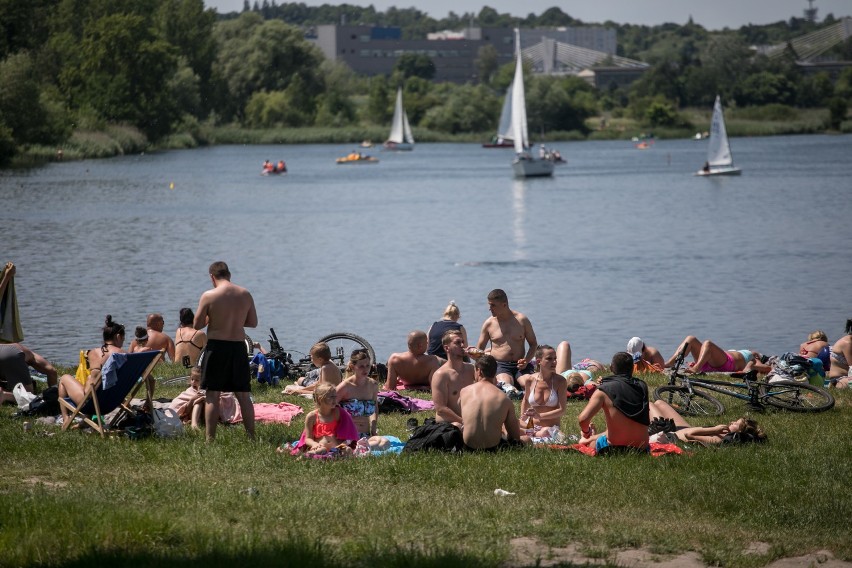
(740, 430)
(358, 393)
(189, 342)
(113, 334)
(710, 358)
(841, 357)
(546, 395)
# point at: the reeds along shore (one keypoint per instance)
(118, 140)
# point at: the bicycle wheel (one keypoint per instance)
(342, 344)
(798, 397)
(695, 403)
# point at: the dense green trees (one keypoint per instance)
(165, 66)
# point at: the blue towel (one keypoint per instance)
(109, 372)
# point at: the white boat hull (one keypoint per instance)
(720, 172)
(532, 168)
(398, 146)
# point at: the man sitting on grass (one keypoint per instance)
(413, 368)
(487, 412)
(449, 380)
(624, 400)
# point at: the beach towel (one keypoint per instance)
(410, 404)
(282, 413)
(10, 319)
(83, 368)
(109, 372)
(656, 450)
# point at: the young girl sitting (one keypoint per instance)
(358, 393)
(189, 404)
(329, 430)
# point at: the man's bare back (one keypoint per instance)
(486, 410)
(413, 367)
(226, 310)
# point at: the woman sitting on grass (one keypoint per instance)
(358, 393)
(326, 372)
(329, 430)
(546, 393)
(740, 430)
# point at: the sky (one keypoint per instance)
(712, 14)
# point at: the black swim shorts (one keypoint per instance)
(225, 366)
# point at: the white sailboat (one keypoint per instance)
(720, 161)
(400, 135)
(505, 136)
(524, 164)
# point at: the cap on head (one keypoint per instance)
(635, 346)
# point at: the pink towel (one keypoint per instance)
(283, 412)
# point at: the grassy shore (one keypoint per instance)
(116, 140)
(73, 499)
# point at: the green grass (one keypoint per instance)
(73, 499)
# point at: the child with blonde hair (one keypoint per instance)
(329, 430)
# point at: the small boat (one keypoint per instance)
(273, 169)
(366, 144)
(357, 158)
(524, 164)
(720, 160)
(504, 137)
(400, 138)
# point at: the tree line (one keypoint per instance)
(169, 66)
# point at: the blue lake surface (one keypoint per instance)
(620, 242)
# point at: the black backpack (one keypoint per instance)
(441, 436)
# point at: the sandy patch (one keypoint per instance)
(44, 481)
(528, 551)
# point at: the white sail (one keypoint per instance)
(504, 129)
(400, 135)
(519, 103)
(406, 128)
(719, 150)
(396, 134)
(524, 164)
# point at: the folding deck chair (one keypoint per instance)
(131, 374)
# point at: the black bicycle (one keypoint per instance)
(295, 364)
(687, 394)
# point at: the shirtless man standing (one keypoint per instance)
(156, 338)
(450, 379)
(413, 368)
(507, 330)
(487, 412)
(226, 310)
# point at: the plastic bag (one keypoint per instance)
(22, 396)
(167, 423)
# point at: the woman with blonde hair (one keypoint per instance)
(449, 321)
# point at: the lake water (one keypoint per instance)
(620, 242)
